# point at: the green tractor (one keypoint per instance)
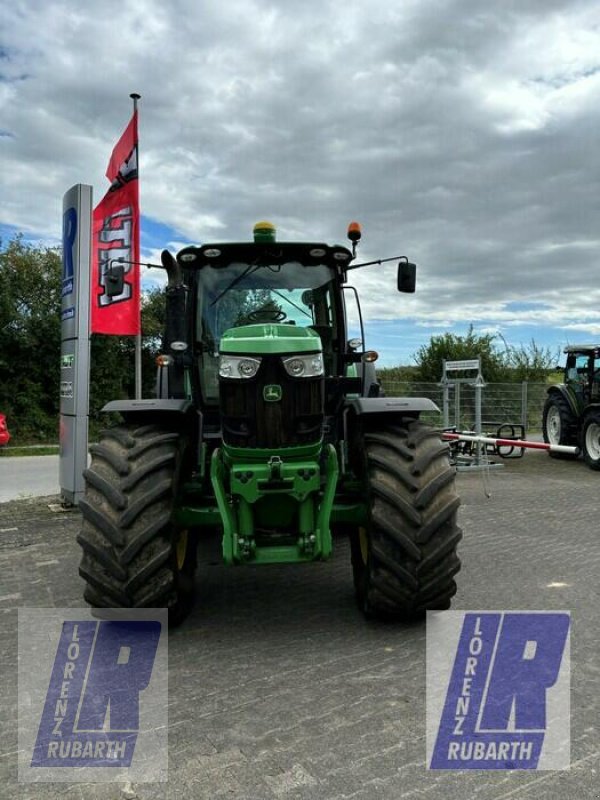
(269, 429)
(572, 409)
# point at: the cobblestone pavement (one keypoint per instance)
(279, 688)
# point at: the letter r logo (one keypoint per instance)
(69, 233)
(527, 663)
(121, 667)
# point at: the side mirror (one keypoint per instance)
(115, 280)
(407, 277)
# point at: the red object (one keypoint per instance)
(116, 235)
(4, 434)
(557, 448)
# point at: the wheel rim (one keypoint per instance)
(592, 440)
(363, 540)
(553, 425)
(181, 549)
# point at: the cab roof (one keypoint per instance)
(308, 253)
(582, 348)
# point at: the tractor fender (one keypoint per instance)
(399, 406)
(149, 405)
(561, 390)
(180, 414)
(377, 413)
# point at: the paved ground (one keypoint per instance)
(279, 689)
(28, 476)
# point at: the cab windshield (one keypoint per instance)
(244, 294)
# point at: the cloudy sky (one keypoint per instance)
(461, 133)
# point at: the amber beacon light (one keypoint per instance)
(354, 231)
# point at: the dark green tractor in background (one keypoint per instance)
(572, 410)
(269, 428)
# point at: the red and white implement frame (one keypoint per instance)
(554, 448)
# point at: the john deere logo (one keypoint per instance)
(272, 393)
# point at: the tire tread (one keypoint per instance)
(128, 537)
(412, 530)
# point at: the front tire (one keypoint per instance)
(590, 438)
(404, 560)
(559, 425)
(133, 554)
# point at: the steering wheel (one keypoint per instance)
(270, 314)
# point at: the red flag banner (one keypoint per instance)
(116, 235)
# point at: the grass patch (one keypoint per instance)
(37, 450)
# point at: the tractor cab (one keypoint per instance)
(294, 292)
(293, 289)
(582, 374)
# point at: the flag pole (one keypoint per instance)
(138, 339)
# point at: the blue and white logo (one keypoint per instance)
(504, 699)
(91, 716)
(67, 313)
(68, 263)
(69, 237)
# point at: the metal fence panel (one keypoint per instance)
(514, 403)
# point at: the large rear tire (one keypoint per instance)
(590, 439)
(133, 554)
(404, 560)
(559, 425)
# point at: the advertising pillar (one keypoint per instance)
(75, 341)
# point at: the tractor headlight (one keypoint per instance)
(304, 366)
(238, 367)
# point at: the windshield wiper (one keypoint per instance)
(248, 271)
(291, 302)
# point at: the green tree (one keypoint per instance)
(452, 347)
(30, 335)
(153, 317)
(398, 374)
(30, 283)
(531, 362)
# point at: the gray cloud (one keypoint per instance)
(461, 134)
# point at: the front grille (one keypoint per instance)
(251, 421)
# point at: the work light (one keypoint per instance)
(238, 367)
(309, 366)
